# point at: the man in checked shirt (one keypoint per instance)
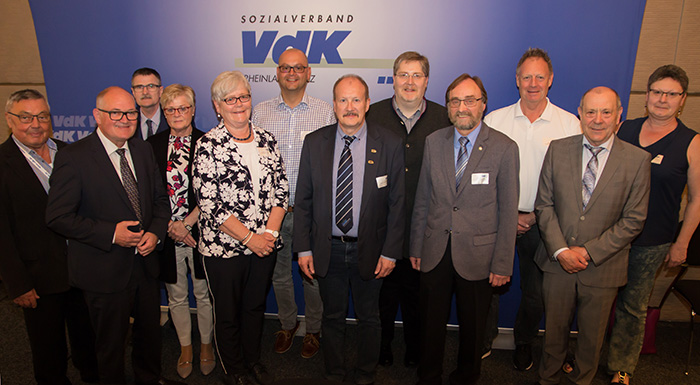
(289, 117)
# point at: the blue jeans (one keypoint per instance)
(344, 276)
(283, 284)
(631, 309)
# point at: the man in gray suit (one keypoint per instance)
(592, 201)
(463, 229)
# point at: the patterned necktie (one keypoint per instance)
(129, 182)
(590, 174)
(343, 190)
(462, 159)
(149, 123)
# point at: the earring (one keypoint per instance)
(218, 116)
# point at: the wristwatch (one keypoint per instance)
(274, 233)
(188, 227)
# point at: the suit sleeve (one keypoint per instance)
(396, 218)
(12, 269)
(419, 217)
(547, 218)
(303, 202)
(62, 209)
(631, 221)
(508, 185)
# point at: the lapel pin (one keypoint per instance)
(370, 161)
(480, 148)
(373, 151)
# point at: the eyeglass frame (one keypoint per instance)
(234, 100)
(123, 114)
(297, 69)
(149, 86)
(469, 102)
(668, 94)
(37, 116)
(182, 110)
(404, 76)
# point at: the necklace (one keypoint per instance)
(250, 132)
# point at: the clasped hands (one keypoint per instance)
(145, 242)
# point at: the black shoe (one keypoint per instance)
(386, 357)
(261, 375)
(239, 379)
(522, 357)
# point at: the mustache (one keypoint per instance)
(462, 114)
(352, 113)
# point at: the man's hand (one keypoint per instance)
(384, 268)
(27, 300)
(125, 237)
(307, 266)
(147, 244)
(498, 280)
(415, 263)
(676, 255)
(525, 222)
(571, 261)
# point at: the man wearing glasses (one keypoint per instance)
(147, 88)
(532, 122)
(290, 117)
(107, 198)
(463, 229)
(413, 118)
(33, 261)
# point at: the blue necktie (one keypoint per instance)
(462, 158)
(343, 190)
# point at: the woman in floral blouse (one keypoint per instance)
(173, 150)
(242, 192)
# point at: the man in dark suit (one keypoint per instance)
(465, 220)
(33, 259)
(413, 118)
(348, 222)
(107, 198)
(147, 88)
(591, 203)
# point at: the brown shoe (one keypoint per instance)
(285, 338)
(311, 345)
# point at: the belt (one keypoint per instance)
(345, 239)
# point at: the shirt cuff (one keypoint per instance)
(556, 253)
(306, 253)
(389, 259)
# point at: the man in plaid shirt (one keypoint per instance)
(289, 117)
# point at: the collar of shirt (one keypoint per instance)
(111, 150)
(472, 138)
(546, 114)
(303, 104)
(41, 169)
(155, 119)
(414, 117)
(360, 135)
(50, 143)
(602, 155)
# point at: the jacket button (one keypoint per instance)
(455, 209)
(573, 239)
(583, 217)
(408, 145)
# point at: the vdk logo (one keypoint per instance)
(321, 45)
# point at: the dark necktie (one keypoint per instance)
(343, 190)
(462, 158)
(590, 174)
(129, 182)
(149, 123)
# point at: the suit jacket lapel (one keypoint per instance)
(105, 164)
(373, 152)
(138, 156)
(616, 156)
(447, 159)
(26, 176)
(575, 159)
(326, 166)
(477, 153)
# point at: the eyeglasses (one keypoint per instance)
(27, 118)
(468, 101)
(297, 68)
(670, 94)
(404, 76)
(233, 100)
(150, 87)
(118, 115)
(182, 110)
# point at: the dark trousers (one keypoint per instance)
(46, 328)
(401, 287)
(343, 277)
(531, 310)
(238, 288)
(473, 298)
(110, 314)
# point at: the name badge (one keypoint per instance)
(480, 178)
(657, 159)
(382, 181)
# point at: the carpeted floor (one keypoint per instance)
(665, 367)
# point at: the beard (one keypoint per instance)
(463, 125)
